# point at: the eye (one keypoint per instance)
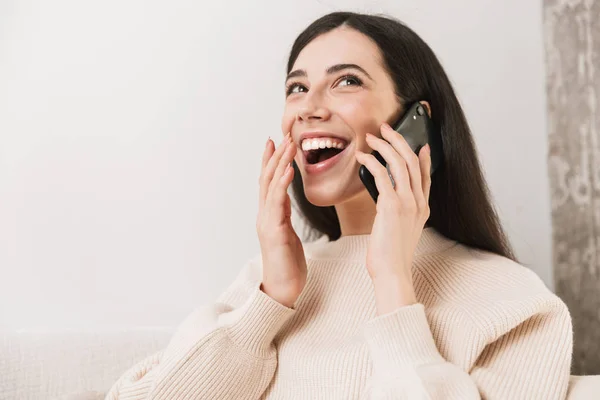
(349, 80)
(294, 87)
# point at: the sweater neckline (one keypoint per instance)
(355, 246)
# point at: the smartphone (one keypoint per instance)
(418, 130)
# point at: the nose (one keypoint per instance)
(313, 109)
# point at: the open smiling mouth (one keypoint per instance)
(317, 150)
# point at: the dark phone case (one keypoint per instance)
(418, 129)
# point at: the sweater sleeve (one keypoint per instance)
(224, 350)
(532, 361)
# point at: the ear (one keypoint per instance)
(427, 106)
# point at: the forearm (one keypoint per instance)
(407, 363)
(393, 292)
(216, 352)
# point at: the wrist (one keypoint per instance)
(281, 299)
(392, 293)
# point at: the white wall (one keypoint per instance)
(131, 133)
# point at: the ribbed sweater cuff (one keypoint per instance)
(401, 339)
(262, 318)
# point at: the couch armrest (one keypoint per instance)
(52, 365)
(584, 387)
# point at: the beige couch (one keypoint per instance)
(83, 365)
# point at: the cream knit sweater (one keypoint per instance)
(484, 327)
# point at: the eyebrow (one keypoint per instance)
(331, 70)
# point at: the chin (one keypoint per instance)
(321, 199)
(325, 195)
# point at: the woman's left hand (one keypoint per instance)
(402, 211)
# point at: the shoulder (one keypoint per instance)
(476, 269)
(494, 292)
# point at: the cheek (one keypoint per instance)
(361, 116)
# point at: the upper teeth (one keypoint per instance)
(322, 143)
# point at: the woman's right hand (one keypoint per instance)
(284, 264)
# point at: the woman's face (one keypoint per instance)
(336, 92)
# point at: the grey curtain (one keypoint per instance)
(572, 49)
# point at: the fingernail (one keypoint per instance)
(268, 140)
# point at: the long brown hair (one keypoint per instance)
(459, 199)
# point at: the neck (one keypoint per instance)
(356, 215)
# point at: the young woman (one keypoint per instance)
(416, 296)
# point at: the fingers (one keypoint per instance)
(379, 172)
(411, 173)
(396, 164)
(412, 161)
(267, 154)
(425, 162)
(277, 192)
(271, 159)
(276, 176)
(269, 149)
(286, 158)
(280, 197)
